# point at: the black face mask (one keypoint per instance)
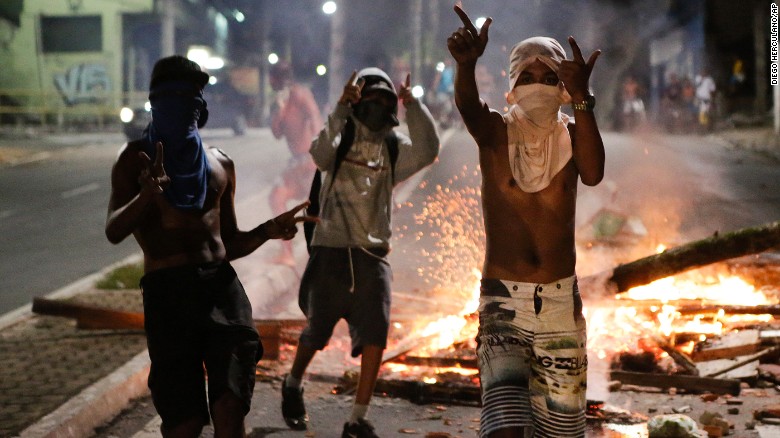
(375, 115)
(203, 115)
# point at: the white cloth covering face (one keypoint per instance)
(537, 133)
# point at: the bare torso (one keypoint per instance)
(172, 237)
(530, 236)
(298, 121)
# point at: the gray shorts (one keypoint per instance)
(531, 348)
(349, 283)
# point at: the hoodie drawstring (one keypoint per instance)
(351, 271)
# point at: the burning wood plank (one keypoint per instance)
(437, 362)
(690, 383)
(761, 309)
(682, 258)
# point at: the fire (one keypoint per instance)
(653, 309)
(451, 221)
(726, 290)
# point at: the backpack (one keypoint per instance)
(347, 138)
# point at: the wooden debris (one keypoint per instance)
(93, 317)
(437, 362)
(743, 361)
(762, 309)
(690, 383)
(89, 317)
(683, 258)
(729, 345)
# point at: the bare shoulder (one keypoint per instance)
(128, 160)
(221, 157)
(491, 133)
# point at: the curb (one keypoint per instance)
(68, 291)
(95, 405)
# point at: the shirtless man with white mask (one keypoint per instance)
(531, 340)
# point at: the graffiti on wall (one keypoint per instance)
(83, 83)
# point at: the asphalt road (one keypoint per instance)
(53, 209)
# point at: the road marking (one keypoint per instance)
(6, 213)
(80, 190)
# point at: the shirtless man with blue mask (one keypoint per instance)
(176, 197)
(531, 340)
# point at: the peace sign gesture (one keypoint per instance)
(153, 176)
(575, 73)
(284, 226)
(466, 44)
(405, 92)
(352, 89)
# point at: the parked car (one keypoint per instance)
(225, 105)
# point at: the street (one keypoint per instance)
(679, 188)
(53, 210)
(682, 188)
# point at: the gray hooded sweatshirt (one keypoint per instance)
(355, 209)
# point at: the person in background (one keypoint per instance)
(176, 197)
(531, 343)
(296, 118)
(348, 275)
(705, 92)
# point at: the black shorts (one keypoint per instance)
(196, 316)
(349, 283)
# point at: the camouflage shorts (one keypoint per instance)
(532, 356)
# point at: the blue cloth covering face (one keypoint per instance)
(176, 107)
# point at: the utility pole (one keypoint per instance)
(417, 12)
(168, 28)
(773, 34)
(336, 76)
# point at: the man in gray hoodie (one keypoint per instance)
(348, 275)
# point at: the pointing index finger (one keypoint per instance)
(408, 81)
(352, 79)
(575, 49)
(158, 158)
(299, 207)
(466, 20)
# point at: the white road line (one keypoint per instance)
(80, 190)
(7, 213)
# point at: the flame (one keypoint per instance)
(726, 290)
(613, 329)
(451, 220)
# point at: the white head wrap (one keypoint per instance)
(524, 53)
(539, 141)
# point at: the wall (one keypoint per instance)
(71, 84)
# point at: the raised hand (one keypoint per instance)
(575, 73)
(352, 89)
(153, 176)
(405, 93)
(466, 44)
(284, 225)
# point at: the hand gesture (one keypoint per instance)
(575, 73)
(153, 177)
(405, 93)
(466, 44)
(352, 89)
(284, 226)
